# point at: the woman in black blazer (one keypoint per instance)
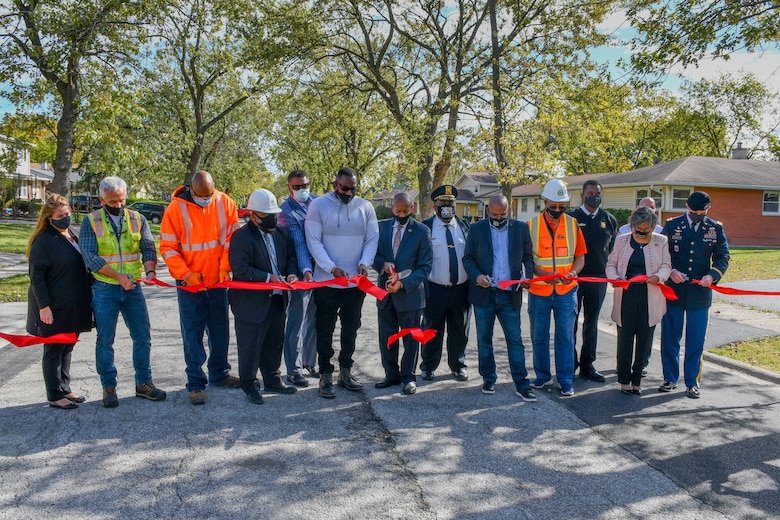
(60, 298)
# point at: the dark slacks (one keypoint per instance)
(590, 297)
(447, 306)
(332, 303)
(56, 370)
(260, 346)
(391, 321)
(635, 336)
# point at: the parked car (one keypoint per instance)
(244, 214)
(151, 210)
(84, 203)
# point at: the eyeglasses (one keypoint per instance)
(345, 189)
(558, 208)
(297, 187)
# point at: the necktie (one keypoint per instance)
(397, 239)
(271, 253)
(453, 257)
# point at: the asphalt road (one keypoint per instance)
(447, 452)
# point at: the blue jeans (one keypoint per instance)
(671, 333)
(108, 300)
(300, 336)
(204, 311)
(500, 306)
(564, 309)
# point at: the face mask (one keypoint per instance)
(61, 223)
(402, 220)
(301, 195)
(267, 223)
(345, 197)
(202, 202)
(114, 211)
(555, 214)
(641, 234)
(498, 223)
(445, 212)
(695, 218)
(593, 201)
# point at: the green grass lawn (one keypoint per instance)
(14, 288)
(763, 353)
(753, 264)
(14, 237)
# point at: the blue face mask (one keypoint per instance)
(301, 195)
(202, 202)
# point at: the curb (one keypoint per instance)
(739, 366)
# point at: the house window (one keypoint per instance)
(524, 206)
(538, 205)
(657, 196)
(680, 198)
(771, 202)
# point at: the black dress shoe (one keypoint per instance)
(254, 396)
(387, 383)
(427, 375)
(280, 388)
(298, 380)
(593, 375)
(410, 388)
(76, 398)
(69, 406)
(461, 375)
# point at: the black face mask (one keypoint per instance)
(267, 223)
(401, 220)
(498, 223)
(554, 213)
(641, 234)
(114, 211)
(695, 218)
(594, 201)
(61, 223)
(345, 197)
(445, 212)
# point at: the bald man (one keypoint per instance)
(647, 202)
(194, 242)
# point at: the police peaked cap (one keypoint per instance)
(444, 192)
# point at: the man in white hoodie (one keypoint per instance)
(342, 236)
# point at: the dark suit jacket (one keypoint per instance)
(250, 262)
(696, 255)
(479, 258)
(414, 253)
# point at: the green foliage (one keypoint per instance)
(685, 31)
(621, 215)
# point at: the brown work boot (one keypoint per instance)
(149, 391)
(110, 399)
(228, 382)
(197, 397)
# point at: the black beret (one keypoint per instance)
(444, 192)
(699, 200)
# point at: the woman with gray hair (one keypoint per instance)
(639, 308)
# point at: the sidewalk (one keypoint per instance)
(447, 452)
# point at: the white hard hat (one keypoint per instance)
(555, 191)
(263, 201)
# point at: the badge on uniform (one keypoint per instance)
(676, 248)
(603, 225)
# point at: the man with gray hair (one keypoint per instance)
(118, 248)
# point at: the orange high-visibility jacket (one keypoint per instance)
(554, 251)
(195, 239)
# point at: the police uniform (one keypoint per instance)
(695, 253)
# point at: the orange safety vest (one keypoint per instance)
(197, 240)
(553, 251)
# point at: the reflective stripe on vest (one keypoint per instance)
(123, 255)
(187, 244)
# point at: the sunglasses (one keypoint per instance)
(345, 189)
(297, 187)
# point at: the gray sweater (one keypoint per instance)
(340, 235)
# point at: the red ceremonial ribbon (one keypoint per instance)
(423, 336)
(667, 291)
(26, 340)
(738, 292)
(365, 285)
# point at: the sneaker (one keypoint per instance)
(427, 375)
(197, 397)
(693, 392)
(312, 370)
(527, 395)
(110, 399)
(149, 391)
(488, 388)
(668, 386)
(567, 390)
(228, 382)
(298, 380)
(541, 383)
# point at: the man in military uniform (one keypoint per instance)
(700, 251)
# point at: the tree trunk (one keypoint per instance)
(498, 103)
(194, 163)
(66, 127)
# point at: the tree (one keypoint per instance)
(45, 46)
(685, 31)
